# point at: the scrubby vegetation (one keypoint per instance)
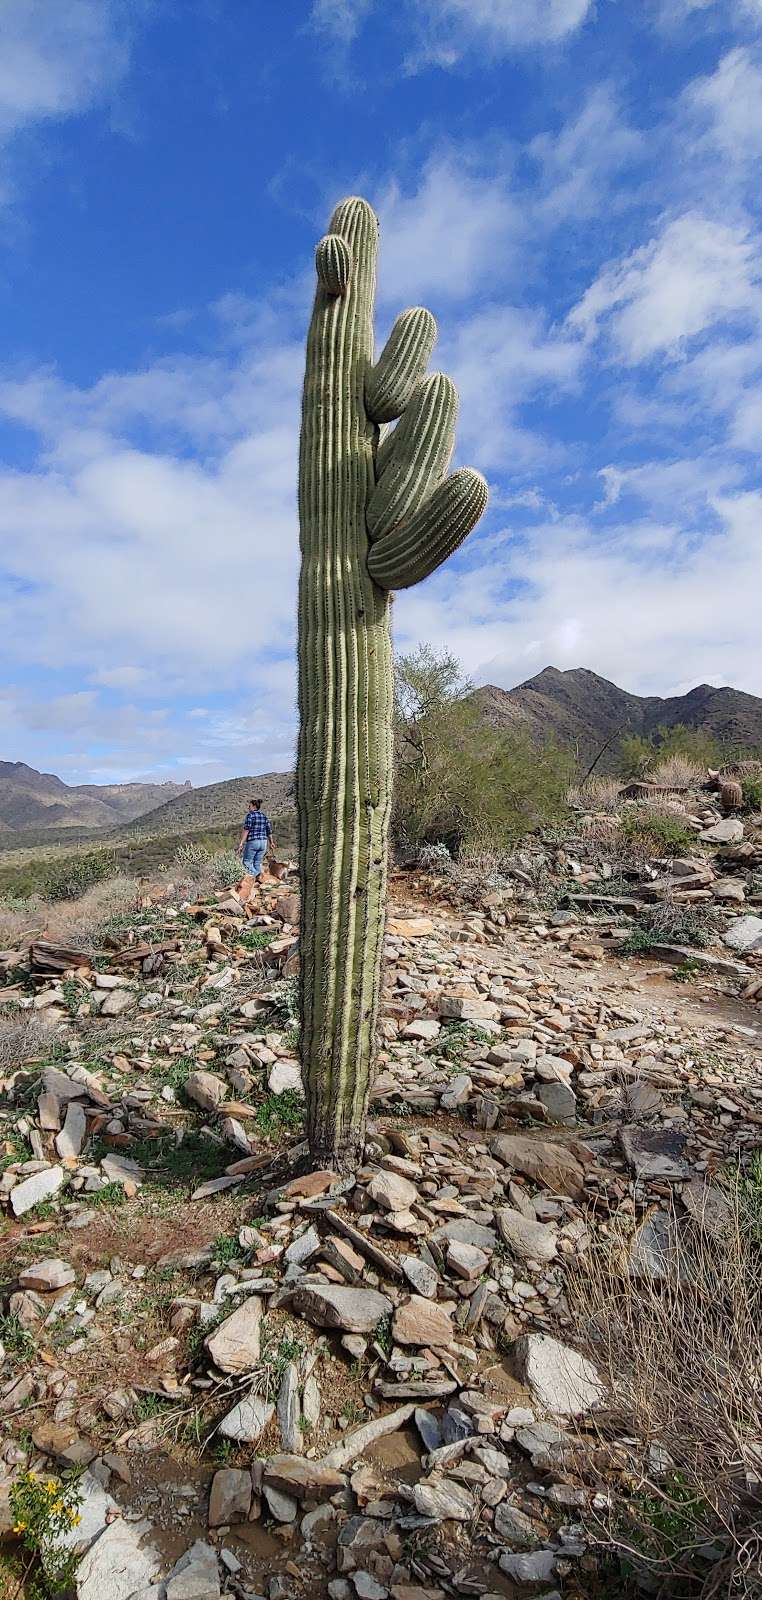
(458, 779)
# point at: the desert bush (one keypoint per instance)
(671, 923)
(71, 877)
(680, 1349)
(752, 793)
(435, 858)
(639, 755)
(202, 871)
(192, 855)
(656, 831)
(455, 776)
(22, 1036)
(84, 923)
(678, 771)
(20, 920)
(595, 794)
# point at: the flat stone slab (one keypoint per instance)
(655, 1156)
(560, 1379)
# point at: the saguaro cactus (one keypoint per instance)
(373, 517)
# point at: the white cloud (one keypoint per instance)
(695, 275)
(653, 607)
(727, 107)
(578, 163)
(449, 28)
(56, 59)
(444, 30)
(451, 236)
(501, 358)
(342, 19)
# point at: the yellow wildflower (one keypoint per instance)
(19, 1527)
(51, 1486)
(75, 1518)
(57, 1505)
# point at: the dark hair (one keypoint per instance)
(256, 804)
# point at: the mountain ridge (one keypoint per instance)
(579, 709)
(41, 800)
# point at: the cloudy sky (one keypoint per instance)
(571, 185)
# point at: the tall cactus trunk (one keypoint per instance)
(370, 521)
(345, 692)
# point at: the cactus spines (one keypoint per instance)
(405, 357)
(731, 794)
(344, 763)
(410, 552)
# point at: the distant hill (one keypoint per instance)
(39, 800)
(217, 805)
(580, 710)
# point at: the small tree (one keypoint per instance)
(458, 778)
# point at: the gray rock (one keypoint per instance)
(47, 1276)
(655, 1155)
(206, 1089)
(463, 1231)
(465, 1260)
(234, 1345)
(355, 1310)
(70, 1140)
(284, 1075)
(31, 1191)
(428, 1428)
(303, 1248)
(196, 1575)
(559, 1101)
(392, 1192)
(115, 1567)
(515, 1526)
(551, 1165)
(230, 1497)
(744, 934)
(421, 1276)
(560, 1379)
(729, 831)
(248, 1420)
(288, 1410)
(530, 1241)
(120, 1169)
(116, 1002)
(282, 1506)
(535, 1568)
(444, 1500)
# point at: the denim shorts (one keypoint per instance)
(254, 854)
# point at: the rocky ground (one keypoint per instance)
(279, 1382)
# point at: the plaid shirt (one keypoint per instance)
(257, 826)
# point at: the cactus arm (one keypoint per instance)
(416, 548)
(418, 456)
(402, 362)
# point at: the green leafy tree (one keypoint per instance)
(457, 778)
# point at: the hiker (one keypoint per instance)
(256, 838)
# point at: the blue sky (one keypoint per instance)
(568, 184)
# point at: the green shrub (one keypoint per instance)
(42, 1511)
(752, 793)
(75, 874)
(660, 833)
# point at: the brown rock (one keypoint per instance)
(422, 1322)
(553, 1166)
(303, 1480)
